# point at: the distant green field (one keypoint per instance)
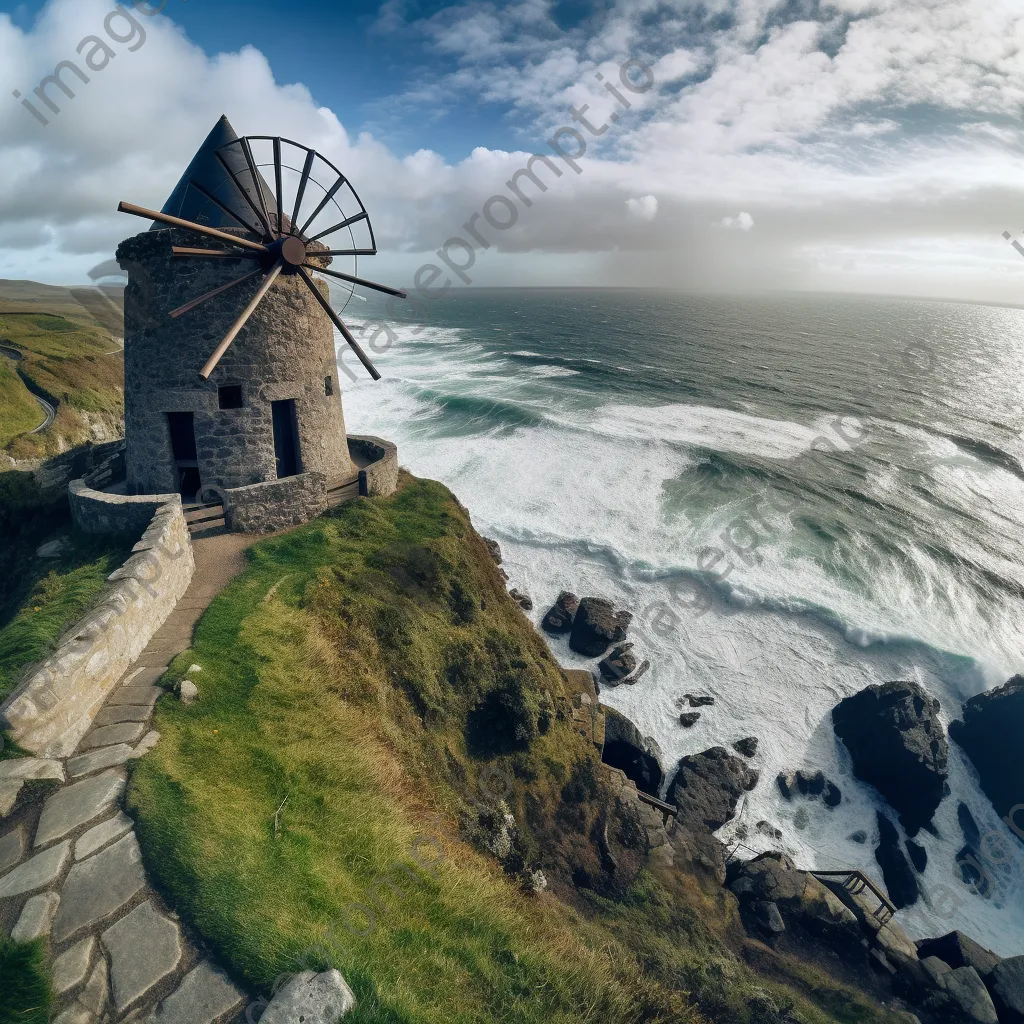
(68, 357)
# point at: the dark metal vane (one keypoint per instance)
(274, 242)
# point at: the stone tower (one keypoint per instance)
(271, 409)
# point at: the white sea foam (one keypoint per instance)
(578, 503)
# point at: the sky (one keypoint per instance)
(855, 145)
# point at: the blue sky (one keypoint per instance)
(842, 145)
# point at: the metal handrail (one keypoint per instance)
(855, 882)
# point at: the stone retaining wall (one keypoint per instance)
(52, 710)
(382, 475)
(275, 504)
(54, 475)
(99, 512)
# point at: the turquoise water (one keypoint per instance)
(825, 492)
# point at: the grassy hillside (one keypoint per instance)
(369, 695)
(69, 360)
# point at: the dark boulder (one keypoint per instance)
(747, 746)
(627, 749)
(619, 665)
(707, 787)
(990, 735)
(898, 875)
(811, 785)
(494, 548)
(688, 719)
(959, 950)
(860, 837)
(833, 795)
(1006, 984)
(766, 917)
(597, 626)
(699, 700)
(918, 856)
(559, 618)
(523, 600)
(897, 744)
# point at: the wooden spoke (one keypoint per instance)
(216, 291)
(180, 250)
(338, 227)
(177, 222)
(268, 281)
(278, 195)
(268, 230)
(346, 252)
(257, 181)
(331, 192)
(303, 182)
(345, 332)
(397, 292)
(206, 193)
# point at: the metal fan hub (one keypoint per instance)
(290, 250)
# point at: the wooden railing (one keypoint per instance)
(855, 882)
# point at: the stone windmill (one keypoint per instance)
(231, 378)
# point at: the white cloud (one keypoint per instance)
(744, 222)
(644, 208)
(824, 145)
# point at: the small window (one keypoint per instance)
(230, 396)
(328, 386)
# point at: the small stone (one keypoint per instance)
(193, 669)
(787, 784)
(148, 742)
(102, 834)
(75, 805)
(71, 967)
(311, 998)
(144, 948)
(23, 768)
(688, 719)
(767, 917)
(108, 735)
(204, 995)
(96, 760)
(94, 996)
(747, 747)
(12, 848)
(188, 692)
(36, 873)
(523, 600)
(36, 917)
(52, 548)
(860, 837)
(97, 887)
(9, 796)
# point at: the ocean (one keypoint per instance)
(796, 496)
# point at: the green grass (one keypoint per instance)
(71, 359)
(25, 996)
(358, 683)
(19, 411)
(59, 591)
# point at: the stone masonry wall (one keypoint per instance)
(99, 512)
(276, 504)
(382, 475)
(53, 708)
(55, 474)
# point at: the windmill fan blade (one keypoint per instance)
(386, 289)
(181, 310)
(209, 196)
(347, 252)
(211, 363)
(278, 192)
(338, 227)
(177, 222)
(331, 192)
(307, 167)
(181, 250)
(248, 198)
(345, 332)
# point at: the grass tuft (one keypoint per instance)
(25, 995)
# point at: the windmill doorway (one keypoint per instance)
(183, 451)
(286, 438)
